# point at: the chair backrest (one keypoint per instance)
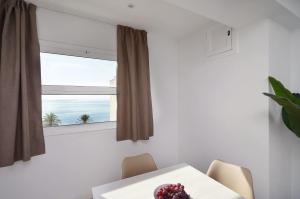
(136, 165)
(234, 177)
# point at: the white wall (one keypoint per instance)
(295, 87)
(281, 138)
(222, 112)
(295, 60)
(74, 163)
(284, 145)
(220, 99)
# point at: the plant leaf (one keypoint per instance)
(285, 118)
(290, 112)
(281, 91)
(291, 122)
(290, 107)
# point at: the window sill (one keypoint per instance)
(79, 129)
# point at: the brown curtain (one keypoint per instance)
(21, 131)
(134, 113)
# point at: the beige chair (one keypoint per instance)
(136, 165)
(234, 177)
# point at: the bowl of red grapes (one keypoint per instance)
(171, 191)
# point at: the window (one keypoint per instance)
(77, 90)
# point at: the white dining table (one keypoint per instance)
(197, 185)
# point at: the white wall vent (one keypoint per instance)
(219, 40)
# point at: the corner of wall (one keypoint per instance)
(279, 136)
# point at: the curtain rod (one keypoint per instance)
(76, 15)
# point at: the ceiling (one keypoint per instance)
(237, 13)
(292, 5)
(178, 18)
(152, 15)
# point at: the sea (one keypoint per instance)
(69, 111)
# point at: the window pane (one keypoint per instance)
(78, 109)
(77, 71)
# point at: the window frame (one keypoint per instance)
(85, 52)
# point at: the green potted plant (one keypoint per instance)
(290, 103)
(85, 118)
(51, 119)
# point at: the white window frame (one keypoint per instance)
(78, 51)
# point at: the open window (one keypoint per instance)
(77, 90)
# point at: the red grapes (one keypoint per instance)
(172, 191)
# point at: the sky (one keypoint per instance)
(76, 71)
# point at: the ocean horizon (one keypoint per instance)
(69, 111)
